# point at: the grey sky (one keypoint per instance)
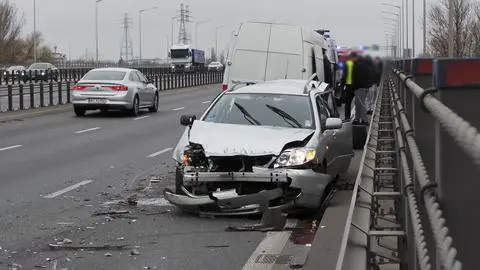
(70, 24)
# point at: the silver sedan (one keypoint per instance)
(114, 88)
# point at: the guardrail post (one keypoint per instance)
(42, 95)
(458, 84)
(20, 96)
(32, 96)
(68, 92)
(50, 94)
(10, 97)
(406, 96)
(60, 94)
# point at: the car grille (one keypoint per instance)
(239, 163)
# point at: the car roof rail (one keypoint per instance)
(237, 84)
(308, 85)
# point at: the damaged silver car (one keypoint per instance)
(263, 145)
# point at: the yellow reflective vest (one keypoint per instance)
(349, 78)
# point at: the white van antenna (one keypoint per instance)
(286, 71)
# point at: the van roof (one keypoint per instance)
(285, 87)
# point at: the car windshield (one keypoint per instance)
(108, 75)
(263, 110)
(180, 53)
(14, 68)
(39, 66)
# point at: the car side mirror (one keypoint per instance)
(187, 119)
(333, 123)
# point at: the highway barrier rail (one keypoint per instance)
(69, 74)
(415, 197)
(44, 94)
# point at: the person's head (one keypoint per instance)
(354, 56)
(377, 60)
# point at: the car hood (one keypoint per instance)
(232, 140)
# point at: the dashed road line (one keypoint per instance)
(160, 152)
(87, 130)
(142, 117)
(264, 256)
(178, 109)
(208, 101)
(67, 189)
(11, 147)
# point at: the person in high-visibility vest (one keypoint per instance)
(347, 83)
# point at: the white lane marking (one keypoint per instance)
(206, 101)
(142, 117)
(153, 202)
(68, 189)
(10, 147)
(178, 109)
(160, 152)
(273, 244)
(87, 130)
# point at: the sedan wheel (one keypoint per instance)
(135, 106)
(79, 111)
(154, 107)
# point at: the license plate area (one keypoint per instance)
(97, 100)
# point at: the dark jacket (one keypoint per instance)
(378, 72)
(363, 74)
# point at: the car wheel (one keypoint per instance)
(154, 107)
(79, 111)
(135, 106)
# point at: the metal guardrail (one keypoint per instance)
(45, 94)
(68, 74)
(420, 205)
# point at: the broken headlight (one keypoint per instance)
(194, 156)
(295, 157)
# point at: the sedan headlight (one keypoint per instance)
(295, 157)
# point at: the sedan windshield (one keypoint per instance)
(39, 66)
(263, 110)
(107, 75)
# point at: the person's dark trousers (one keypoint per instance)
(349, 95)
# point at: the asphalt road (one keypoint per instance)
(57, 170)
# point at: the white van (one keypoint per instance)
(270, 51)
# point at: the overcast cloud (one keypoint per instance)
(70, 24)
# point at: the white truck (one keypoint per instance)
(185, 59)
(264, 51)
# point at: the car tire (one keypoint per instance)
(79, 111)
(154, 107)
(135, 106)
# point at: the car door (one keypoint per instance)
(149, 89)
(327, 136)
(343, 136)
(140, 86)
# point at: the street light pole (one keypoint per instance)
(96, 30)
(450, 28)
(425, 27)
(171, 21)
(216, 40)
(406, 22)
(401, 29)
(196, 32)
(35, 30)
(140, 31)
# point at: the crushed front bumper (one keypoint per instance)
(311, 186)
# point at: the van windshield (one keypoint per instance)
(263, 110)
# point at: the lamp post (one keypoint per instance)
(400, 13)
(35, 30)
(140, 31)
(216, 38)
(96, 29)
(399, 26)
(451, 12)
(424, 26)
(196, 31)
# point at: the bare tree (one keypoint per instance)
(10, 30)
(464, 23)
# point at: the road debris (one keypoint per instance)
(132, 200)
(86, 247)
(134, 252)
(119, 212)
(217, 246)
(108, 254)
(273, 219)
(15, 266)
(67, 241)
